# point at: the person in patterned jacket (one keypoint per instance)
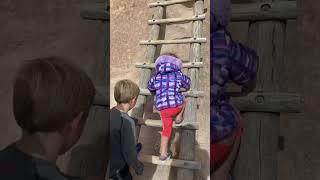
(167, 84)
(230, 61)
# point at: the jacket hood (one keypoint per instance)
(166, 64)
(220, 13)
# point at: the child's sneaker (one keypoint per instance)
(167, 157)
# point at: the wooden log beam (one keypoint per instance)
(188, 137)
(98, 11)
(281, 10)
(174, 41)
(90, 155)
(158, 123)
(269, 102)
(138, 110)
(258, 154)
(194, 165)
(184, 65)
(190, 93)
(177, 20)
(168, 3)
(101, 98)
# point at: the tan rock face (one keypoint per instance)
(41, 28)
(128, 27)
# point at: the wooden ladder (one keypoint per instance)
(186, 162)
(258, 154)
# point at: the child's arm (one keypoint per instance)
(128, 148)
(139, 121)
(244, 66)
(185, 82)
(151, 86)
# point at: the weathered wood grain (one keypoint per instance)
(168, 3)
(158, 123)
(177, 20)
(184, 65)
(258, 151)
(174, 41)
(270, 102)
(190, 93)
(187, 141)
(281, 10)
(171, 162)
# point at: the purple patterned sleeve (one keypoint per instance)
(244, 63)
(186, 82)
(151, 86)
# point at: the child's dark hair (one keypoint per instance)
(48, 92)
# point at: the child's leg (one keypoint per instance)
(223, 173)
(179, 117)
(166, 132)
(164, 148)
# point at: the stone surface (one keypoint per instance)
(39, 28)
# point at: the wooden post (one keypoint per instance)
(257, 158)
(90, 156)
(149, 58)
(187, 141)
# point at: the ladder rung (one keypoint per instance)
(158, 123)
(167, 3)
(266, 11)
(176, 41)
(184, 65)
(190, 93)
(171, 162)
(177, 20)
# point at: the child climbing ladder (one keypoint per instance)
(166, 84)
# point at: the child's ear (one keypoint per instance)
(134, 99)
(77, 120)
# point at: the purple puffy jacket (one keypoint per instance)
(167, 82)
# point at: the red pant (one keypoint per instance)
(166, 117)
(220, 152)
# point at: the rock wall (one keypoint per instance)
(39, 28)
